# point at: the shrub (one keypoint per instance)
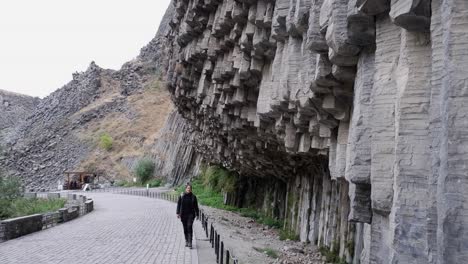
(268, 251)
(5, 209)
(287, 234)
(10, 188)
(154, 183)
(271, 222)
(130, 184)
(219, 179)
(249, 212)
(106, 141)
(144, 170)
(121, 183)
(332, 256)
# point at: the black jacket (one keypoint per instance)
(193, 209)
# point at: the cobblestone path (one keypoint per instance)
(121, 229)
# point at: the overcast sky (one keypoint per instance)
(43, 42)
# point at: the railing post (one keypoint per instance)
(211, 235)
(222, 253)
(216, 245)
(228, 256)
(217, 248)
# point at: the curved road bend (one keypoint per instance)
(121, 229)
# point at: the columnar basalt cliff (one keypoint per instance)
(345, 118)
(14, 109)
(174, 152)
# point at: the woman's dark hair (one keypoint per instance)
(188, 184)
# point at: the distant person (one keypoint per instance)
(187, 211)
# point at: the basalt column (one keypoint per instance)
(356, 108)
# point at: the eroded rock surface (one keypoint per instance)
(14, 109)
(344, 118)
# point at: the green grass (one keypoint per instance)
(10, 190)
(121, 183)
(332, 256)
(144, 170)
(106, 142)
(23, 206)
(10, 187)
(286, 234)
(153, 183)
(268, 251)
(209, 197)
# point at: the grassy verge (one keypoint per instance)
(286, 234)
(152, 183)
(207, 196)
(22, 207)
(332, 256)
(268, 251)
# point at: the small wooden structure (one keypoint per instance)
(76, 179)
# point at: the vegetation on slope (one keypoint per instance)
(209, 187)
(12, 204)
(144, 170)
(119, 140)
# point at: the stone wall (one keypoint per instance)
(76, 206)
(376, 88)
(20, 226)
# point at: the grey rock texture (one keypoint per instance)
(344, 118)
(174, 152)
(43, 146)
(14, 108)
(48, 142)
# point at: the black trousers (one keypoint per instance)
(187, 222)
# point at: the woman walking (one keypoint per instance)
(187, 211)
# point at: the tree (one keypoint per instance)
(10, 188)
(144, 170)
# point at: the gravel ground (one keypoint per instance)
(247, 240)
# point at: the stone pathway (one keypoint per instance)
(122, 229)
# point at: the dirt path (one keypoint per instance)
(248, 240)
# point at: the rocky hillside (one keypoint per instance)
(65, 130)
(14, 108)
(345, 119)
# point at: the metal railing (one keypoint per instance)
(223, 254)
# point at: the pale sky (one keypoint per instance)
(43, 42)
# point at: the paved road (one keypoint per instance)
(121, 229)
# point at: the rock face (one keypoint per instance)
(14, 108)
(43, 146)
(347, 119)
(56, 136)
(62, 134)
(174, 152)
